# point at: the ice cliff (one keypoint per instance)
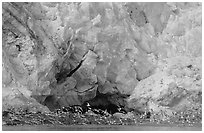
(145, 56)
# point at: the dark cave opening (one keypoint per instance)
(99, 105)
(102, 102)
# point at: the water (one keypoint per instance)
(102, 128)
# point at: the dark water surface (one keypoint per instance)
(102, 128)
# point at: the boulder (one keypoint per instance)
(129, 115)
